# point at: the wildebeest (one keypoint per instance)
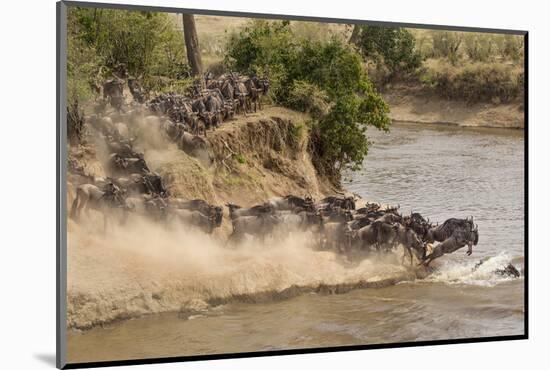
(347, 203)
(113, 92)
(191, 144)
(206, 223)
(458, 239)
(146, 183)
(336, 215)
(390, 218)
(256, 226)
(359, 222)
(201, 206)
(301, 221)
(418, 223)
(126, 165)
(89, 196)
(136, 90)
(214, 106)
(237, 211)
(241, 94)
(253, 93)
(378, 235)
(200, 109)
(290, 203)
(410, 241)
(446, 229)
(152, 207)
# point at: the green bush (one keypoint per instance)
(332, 71)
(475, 82)
(101, 41)
(309, 98)
(391, 47)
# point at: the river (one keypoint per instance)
(439, 171)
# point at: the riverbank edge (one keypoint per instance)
(413, 104)
(266, 296)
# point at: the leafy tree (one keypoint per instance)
(389, 46)
(101, 41)
(332, 72)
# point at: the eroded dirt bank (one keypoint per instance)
(411, 104)
(146, 267)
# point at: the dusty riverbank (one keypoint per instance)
(147, 268)
(414, 104)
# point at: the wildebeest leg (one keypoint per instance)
(83, 204)
(74, 208)
(436, 253)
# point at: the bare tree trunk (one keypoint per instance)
(356, 33)
(192, 44)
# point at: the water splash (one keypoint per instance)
(466, 271)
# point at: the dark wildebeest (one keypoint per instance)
(199, 107)
(378, 235)
(201, 206)
(390, 218)
(253, 93)
(136, 90)
(89, 196)
(154, 208)
(509, 270)
(411, 243)
(113, 92)
(418, 223)
(301, 221)
(258, 210)
(256, 226)
(291, 203)
(191, 144)
(241, 94)
(458, 239)
(338, 202)
(126, 166)
(146, 183)
(206, 223)
(359, 222)
(214, 106)
(446, 229)
(336, 215)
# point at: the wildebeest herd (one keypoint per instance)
(344, 229)
(209, 103)
(334, 221)
(337, 224)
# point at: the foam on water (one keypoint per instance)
(452, 271)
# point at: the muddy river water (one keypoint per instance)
(439, 171)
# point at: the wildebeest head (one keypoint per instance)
(475, 233)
